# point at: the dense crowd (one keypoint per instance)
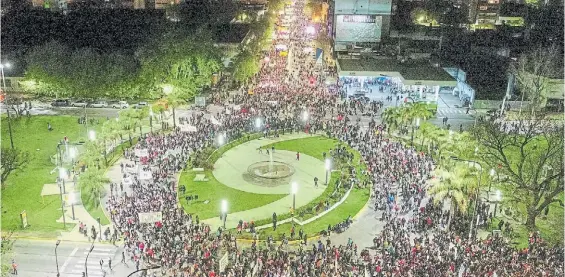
(415, 240)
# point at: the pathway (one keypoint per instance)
(231, 167)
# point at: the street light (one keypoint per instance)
(310, 30)
(7, 65)
(491, 173)
(99, 228)
(56, 259)
(167, 89)
(73, 200)
(294, 190)
(73, 154)
(328, 168)
(497, 198)
(258, 123)
(305, 116)
(86, 260)
(221, 139)
(92, 135)
(151, 120)
(224, 211)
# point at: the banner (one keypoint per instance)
(200, 101)
(214, 121)
(127, 181)
(145, 175)
(150, 217)
(187, 128)
(224, 261)
(141, 152)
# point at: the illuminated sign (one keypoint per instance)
(359, 18)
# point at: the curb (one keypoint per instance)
(56, 239)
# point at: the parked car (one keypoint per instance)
(60, 103)
(79, 103)
(141, 105)
(120, 105)
(99, 104)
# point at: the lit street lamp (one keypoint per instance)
(2, 66)
(73, 200)
(258, 123)
(92, 135)
(62, 174)
(224, 211)
(305, 116)
(221, 139)
(56, 259)
(294, 190)
(328, 168)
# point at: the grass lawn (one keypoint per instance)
(315, 146)
(23, 191)
(214, 191)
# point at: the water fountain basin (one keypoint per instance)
(270, 170)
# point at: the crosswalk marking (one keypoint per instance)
(102, 249)
(91, 272)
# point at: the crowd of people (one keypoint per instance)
(418, 237)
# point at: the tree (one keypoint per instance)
(91, 184)
(246, 65)
(174, 101)
(533, 72)
(454, 186)
(391, 117)
(419, 110)
(530, 156)
(13, 160)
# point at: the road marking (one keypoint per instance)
(99, 254)
(101, 249)
(90, 272)
(68, 259)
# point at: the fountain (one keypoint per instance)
(270, 170)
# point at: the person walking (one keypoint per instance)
(298, 156)
(316, 181)
(110, 263)
(124, 257)
(14, 267)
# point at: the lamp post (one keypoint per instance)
(151, 120)
(477, 191)
(72, 199)
(86, 260)
(56, 259)
(491, 173)
(99, 229)
(294, 190)
(328, 168)
(2, 66)
(258, 123)
(221, 139)
(92, 135)
(62, 174)
(224, 211)
(497, 198)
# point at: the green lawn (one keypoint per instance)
(315, 146)
(214, 191)
(23, 191)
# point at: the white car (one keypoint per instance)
(99, 104)
(120, 105)
(79, 103)
(141, 105)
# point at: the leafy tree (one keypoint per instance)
(531, 158)
(453, 186)
(246, 65)
(533, 72)
(91, 184)
(174, 101)
(13, 160)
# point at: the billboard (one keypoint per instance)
(358, 28)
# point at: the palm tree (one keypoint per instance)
(91, 183)
(174, 101)
(454, 187)
(419, 110)
(391, 117)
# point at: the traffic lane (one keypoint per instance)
(74, 111)
(37, 258)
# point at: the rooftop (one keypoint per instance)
(410, 70)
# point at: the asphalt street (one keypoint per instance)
(38, 259)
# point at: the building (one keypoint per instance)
(359, 23)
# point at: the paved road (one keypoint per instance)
(37, 259)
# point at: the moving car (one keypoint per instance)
(60, 103)
(79, 103)
(120, 105)
(99, 104)
(140, 105)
